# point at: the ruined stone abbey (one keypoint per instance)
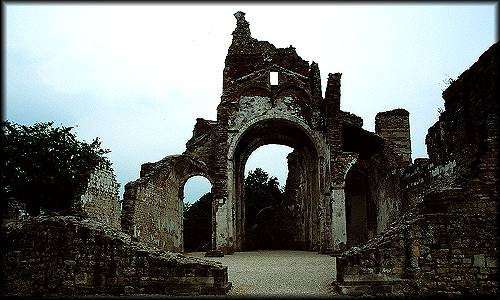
(333, 157)
(395, 226)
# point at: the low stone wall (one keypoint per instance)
(66, 255)
(455, 255)
(436, 248)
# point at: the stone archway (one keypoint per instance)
(197, 233)
(302, 209)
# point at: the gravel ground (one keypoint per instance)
(277, 273)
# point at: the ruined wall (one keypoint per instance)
(453, 252)
(466, 134)
(445, 241)
(427, 252)
(296, 197)
(101, 200)
(386, 182)
(153, 204)
(254, 111)
(70, 256)
(157, 215)
(299, 202)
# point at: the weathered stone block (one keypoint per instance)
(479, 260)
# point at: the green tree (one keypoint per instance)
(260, 192)
(46, 167)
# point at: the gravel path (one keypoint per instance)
(273, 273)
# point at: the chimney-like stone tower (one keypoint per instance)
(394, 125)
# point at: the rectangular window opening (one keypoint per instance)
(273, 78)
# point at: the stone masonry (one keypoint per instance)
(101, 200)
(74, 256)
(88, 254)
(253, 111)
(396, 227)
(446, 241)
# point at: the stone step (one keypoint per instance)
(375, 288)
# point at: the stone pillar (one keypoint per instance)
(338, 225)
(394, 125)
(219, 228)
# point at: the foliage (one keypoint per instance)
(260, 191)
(440, 110)
(46, 167)
(186, 206)
(447, 82)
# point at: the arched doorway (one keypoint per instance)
(298, 216)
(360, 207)
(197, 214)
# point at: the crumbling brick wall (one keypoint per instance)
(70, 256)
(446, 240)
(100, 199)
(429, 250)
(453, 252)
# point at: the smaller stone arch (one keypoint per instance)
(197, 225)
(153, 207)
(186, 178)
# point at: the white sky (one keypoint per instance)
(138, 76)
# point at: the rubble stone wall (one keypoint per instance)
(71, 256)
(153, 204)
(445, 241)
(101, 200)
(433, 249)
(454, 253)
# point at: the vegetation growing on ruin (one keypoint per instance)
(46, 167)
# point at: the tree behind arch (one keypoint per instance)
(261, 191)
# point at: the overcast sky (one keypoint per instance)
(138, 76)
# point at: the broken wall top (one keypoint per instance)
(462, 131)
(247, 55)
